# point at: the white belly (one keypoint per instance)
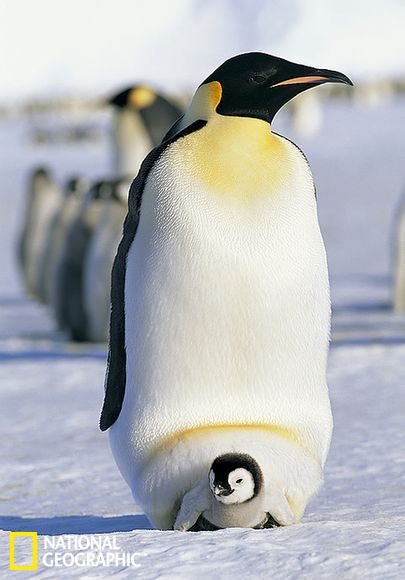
(226, 313)
(131, 142)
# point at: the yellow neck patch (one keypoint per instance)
(205, 101)
(234, 157)
(141, 97)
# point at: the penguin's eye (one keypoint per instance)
(239, 480)
(257, 79)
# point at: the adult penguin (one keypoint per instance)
(70, 311)
(44, 201)
(73, 193)
(399, 258)
(221, 312)
(99, 261)
(141, 119)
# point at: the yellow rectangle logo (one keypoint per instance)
(34, 545)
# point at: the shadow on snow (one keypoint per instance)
(57, 526)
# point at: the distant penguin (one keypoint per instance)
(73, 192)
(220, 308)
(99, 261)
(306, 114)
(44, 200)
(70, 311)
(399, 260)
(141, 119)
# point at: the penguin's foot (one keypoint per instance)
(186, 518)
(184, 525)
(269, 522)
(203, 525)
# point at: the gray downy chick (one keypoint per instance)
(233, 496)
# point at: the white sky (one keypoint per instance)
(91, 47)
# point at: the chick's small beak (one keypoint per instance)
(222, 491)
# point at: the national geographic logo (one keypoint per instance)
(15, 543)
(83, 551)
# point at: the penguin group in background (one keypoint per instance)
(99, 261)
(70, 309)
(306, 114)
(141, 119)
(69, 239)
(216, 398)
(44, 201)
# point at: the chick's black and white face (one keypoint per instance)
(237, 487)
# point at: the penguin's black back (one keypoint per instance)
(115, 379)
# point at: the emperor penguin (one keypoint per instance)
(99, 261)
(44, 200)
(73, 193)
(141, 119)
(70, 311)
(220, 313)
(399, 259)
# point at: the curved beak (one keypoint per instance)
(316, 76)
(222, 491)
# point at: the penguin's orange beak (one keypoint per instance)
(300, 80)
(324, 76)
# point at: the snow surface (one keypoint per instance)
(57, 473)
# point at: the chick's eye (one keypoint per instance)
(239, 480)
(257, 79)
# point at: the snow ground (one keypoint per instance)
(57, 473)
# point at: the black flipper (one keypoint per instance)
(116, 366)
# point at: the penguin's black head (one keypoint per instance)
(235, 478)
(101, 190)
(135, 97)
(257, 85)
(156, 112)
(75, 186)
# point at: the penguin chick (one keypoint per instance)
(234, 495)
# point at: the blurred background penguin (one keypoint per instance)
(69, 240)
(141, 119)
